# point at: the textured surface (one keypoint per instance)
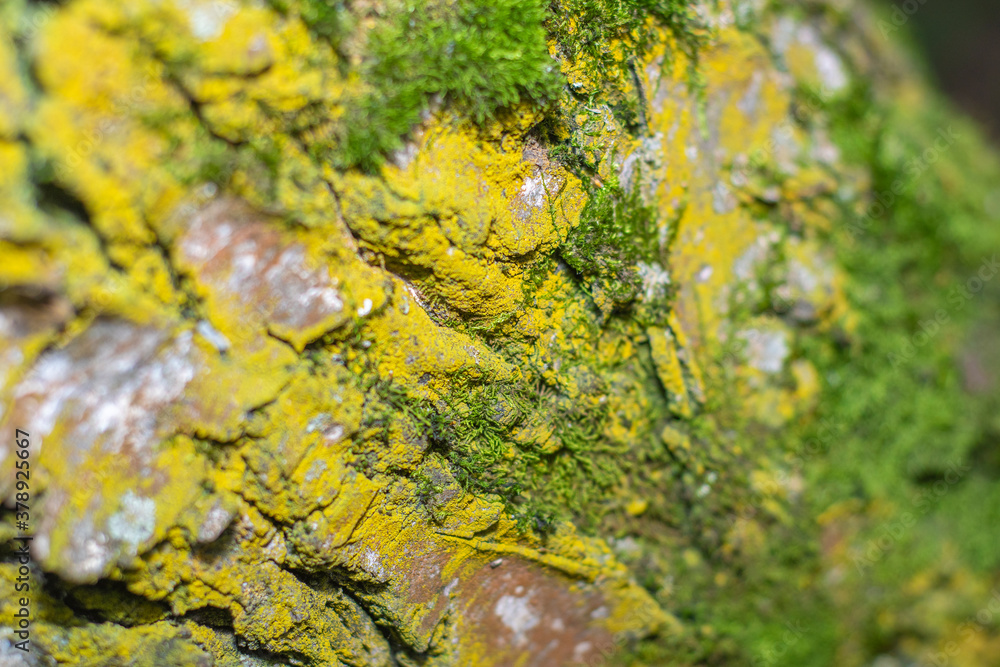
(610, 359)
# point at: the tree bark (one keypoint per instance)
(490, 333)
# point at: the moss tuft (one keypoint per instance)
(616, 231)
(475, 55)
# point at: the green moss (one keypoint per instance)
(479, 57)
(586, 28)
(477, 430)
(616, 231)
(910, 259)
(895, 415)
(578, 435)
(328, 19)
(474, 55)
(607, 37)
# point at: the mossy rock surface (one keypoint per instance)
(493, 333)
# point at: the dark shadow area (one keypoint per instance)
(961, 40)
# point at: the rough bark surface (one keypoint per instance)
(492, 333)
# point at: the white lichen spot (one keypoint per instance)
(214, 337)
(216, 520)
(801, 278)
(533, 191)
(365, 307)
(750, 101)
(276, 548)
(655, 279)
(333, 433)
(746, 265)
(405, 155)
(318, 422)
(581, 650)
(782, 34)
(372, 564)
(208, 19)
(723, 200)
(10, 360)
(516, 614)
(627, 171)
(831, 69)
(42, 546)
(787, 149)
(766, 350)
(316, 471)
(745, 10)
(824, 150)
(626, 546)
(134, 523)
(91, 557)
